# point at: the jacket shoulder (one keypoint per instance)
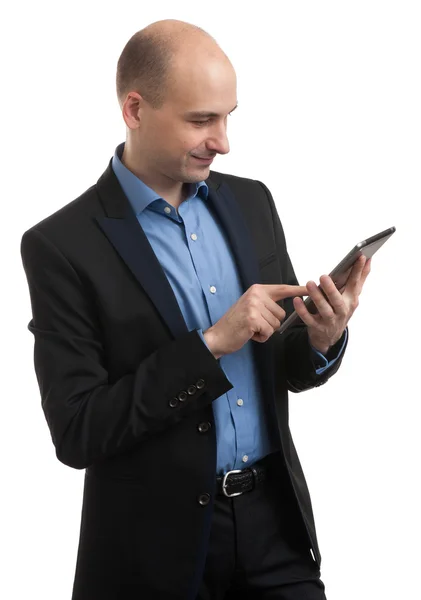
(235, 180)
(84, 205)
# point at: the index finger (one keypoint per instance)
(279, 292)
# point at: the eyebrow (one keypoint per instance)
(202, 114)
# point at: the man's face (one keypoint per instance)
(171, 137)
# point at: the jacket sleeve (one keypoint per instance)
(293, 346)
(90, 418)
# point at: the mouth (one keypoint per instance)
(204, 161)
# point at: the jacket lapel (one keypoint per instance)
(125, 233)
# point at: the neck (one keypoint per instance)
(174, 192)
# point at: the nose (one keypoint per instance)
(218, 140)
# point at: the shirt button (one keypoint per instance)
(240, 402)
(245, 458)
(193, 236)
(212, 289)
(167, 209)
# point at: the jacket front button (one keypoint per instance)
(204, 499)
(173, 402)
(204, 427)
(200, 384)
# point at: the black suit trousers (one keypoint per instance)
(259, 548)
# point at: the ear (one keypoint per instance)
(132, 110)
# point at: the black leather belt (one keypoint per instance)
(235, 483)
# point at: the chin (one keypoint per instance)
(189, 176)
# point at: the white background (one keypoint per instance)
(329, 118)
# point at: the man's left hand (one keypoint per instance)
(327, 327)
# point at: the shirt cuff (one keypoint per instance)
(321, 362)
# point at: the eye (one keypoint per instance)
(200, 123)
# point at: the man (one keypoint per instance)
(156, 296)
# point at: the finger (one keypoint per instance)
(360, 275)
(264, 325)
(364, 274)
(273, 308)
(323, 307)
(334, 296)
(355, 274)
(303, 313)
(271, 318)
(279, 292)
(366, 271)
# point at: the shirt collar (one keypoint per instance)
(138, 193)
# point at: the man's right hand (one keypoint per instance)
(254, 316)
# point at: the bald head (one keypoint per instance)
(176, 88)
(174, 30)
(155, 57)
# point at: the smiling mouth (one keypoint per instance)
(206, 159)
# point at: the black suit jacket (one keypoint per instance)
(125, 385)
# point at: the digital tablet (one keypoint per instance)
(341, 272)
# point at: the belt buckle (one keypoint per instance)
(224, 484)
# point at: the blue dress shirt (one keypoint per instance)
(195, 255)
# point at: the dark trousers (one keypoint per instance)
(259, 548)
